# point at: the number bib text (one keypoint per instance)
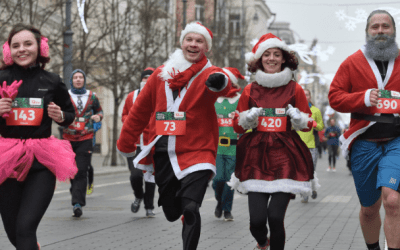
(78, 124)
(225, 122)
(170, 123)
(272, 120)
(388, 102)
(26, 112)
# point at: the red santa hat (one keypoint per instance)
(266, 41)
(196, 27)
(233, 74)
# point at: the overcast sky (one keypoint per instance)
(311, 19)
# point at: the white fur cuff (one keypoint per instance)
(302, 123)
(244, 123)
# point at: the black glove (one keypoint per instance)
(216, 81)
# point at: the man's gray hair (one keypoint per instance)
(379, 12)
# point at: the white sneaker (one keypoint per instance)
(334, 170)
(328, 169)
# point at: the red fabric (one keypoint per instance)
(180, 79)
(347, 91)
(127, 106)
(199, 144)
(262, 39)
(232, 92)
(272, 155)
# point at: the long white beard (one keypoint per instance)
(381, 50)
(142, 85)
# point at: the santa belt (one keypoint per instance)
(373, 118)
(226, 141)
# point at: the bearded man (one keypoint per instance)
(178, 104)
(367, 85)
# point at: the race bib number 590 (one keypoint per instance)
(26, 112)
(272, 120)
(388, 102)
(170, 123)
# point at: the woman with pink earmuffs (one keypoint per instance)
(31, 160)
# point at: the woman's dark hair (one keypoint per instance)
(290, 62)
(309, 92)
(38, 36)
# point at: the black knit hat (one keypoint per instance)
(147, 72)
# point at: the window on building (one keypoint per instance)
(234, 25)
(199, 10)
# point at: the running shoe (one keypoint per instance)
(266, 247)
(228, 216)
(150, 213)
(304, 199)
(77, 210)
(218, 212)
(334, 170)
(314, 194)
(136, 205)
(89, 190)
(328, 169)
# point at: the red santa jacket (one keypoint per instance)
(349, 91)
(143, 140)
(197, 149)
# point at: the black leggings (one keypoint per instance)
(23, 204)
(274, 213)
(191, 222)
(332, 150)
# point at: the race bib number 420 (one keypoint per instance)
(26, 112)
(170, 123)
(388, 102)
(272, 120)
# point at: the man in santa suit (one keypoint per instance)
(367, 84)
(138, 175)
(178, 103)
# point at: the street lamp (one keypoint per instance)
(184, 13)
(67, 60)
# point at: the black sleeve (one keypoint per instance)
(63, 99)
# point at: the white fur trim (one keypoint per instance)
(366, 98)
(280, 185)
(303, 123)
(231, 75)
(177, 62)
(231, 100)
(274, 80)
(126, 154)
(199, 29)
(315, 183)
(270, 43)
(249, 57)
(244, 123)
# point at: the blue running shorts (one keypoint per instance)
(375, 165)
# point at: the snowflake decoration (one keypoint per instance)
(304, 52)
(307, 78)
(361, 16)
(81, 11)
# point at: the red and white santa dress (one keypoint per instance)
(272, 161)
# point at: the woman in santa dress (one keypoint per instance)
(273, 163)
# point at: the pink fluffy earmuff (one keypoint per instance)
(44, 50)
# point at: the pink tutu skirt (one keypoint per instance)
(17, 155)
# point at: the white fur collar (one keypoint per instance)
(177, 62)
(274, 80)
(231, 100)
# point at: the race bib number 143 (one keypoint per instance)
(26, 112)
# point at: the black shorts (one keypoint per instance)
(171, 190)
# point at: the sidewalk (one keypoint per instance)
(99, 169)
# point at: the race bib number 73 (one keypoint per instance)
(272, 120)
(388, 102)
(170, 123)
(26, 112)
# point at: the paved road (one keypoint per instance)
(329, 222)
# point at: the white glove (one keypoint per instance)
(253, 114)
(294, 113)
